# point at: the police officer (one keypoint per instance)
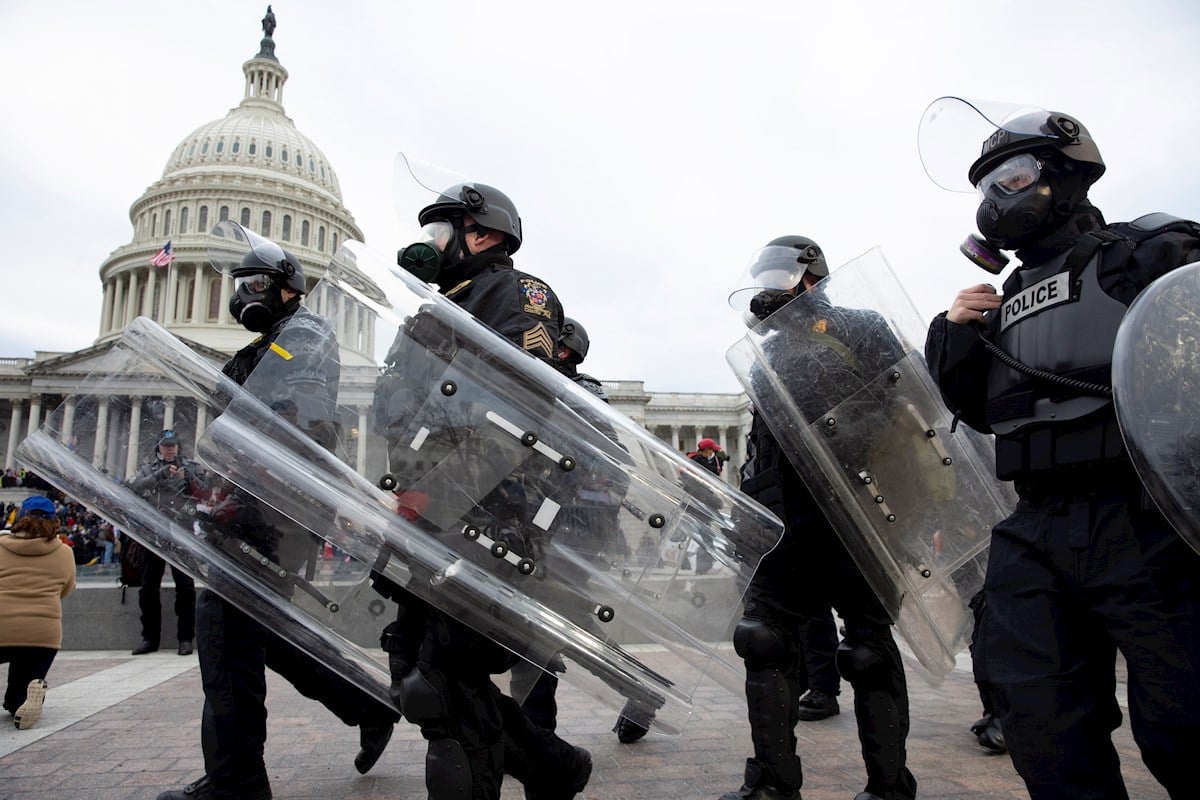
(1085, 565)
(441, 669)
(799, 580)
(171, 480)
(234, 649)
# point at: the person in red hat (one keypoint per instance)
(709, 455)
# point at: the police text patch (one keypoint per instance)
(1051, 292)
(536, 297)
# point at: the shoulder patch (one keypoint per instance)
(536, 297)
(538, 338)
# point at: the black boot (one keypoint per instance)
(987, 731)
(372, 739)
(633, 723)
(203, 789)
(758, 786)
(146, 646)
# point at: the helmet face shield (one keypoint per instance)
(773, 267)
(1012, 176)
(953, 131)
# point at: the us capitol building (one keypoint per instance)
(253, 166)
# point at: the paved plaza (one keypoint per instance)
(119, 727)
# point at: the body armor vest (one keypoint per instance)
(1055, 324)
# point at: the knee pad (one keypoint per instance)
(447, 771)
(759, 644)
(422, 701)
(859, 663)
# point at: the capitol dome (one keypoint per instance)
(252, 166)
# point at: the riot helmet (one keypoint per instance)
(775, 276)
(441, 245)
(487, 205)
(575, 337)
(1033, 173)
(256, 301)
(260, 269)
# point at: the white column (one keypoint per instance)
(14, 425)
(675, 437)
(360, 463)
(68, 420)
(101, 433)
(201, 419)
(226, 292)
(168, 413)
(118, 309)
(35, 413)
(172, 294)
(135, 432)
(106, 308)
(197, 292)
(131, 306)
(151, 283)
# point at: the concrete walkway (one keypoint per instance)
(118, 727)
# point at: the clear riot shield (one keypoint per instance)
(837, 378)
(1156, 389)
(98, 448)
(517, 502)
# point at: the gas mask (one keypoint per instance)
(442, 245)
(256, 302)
(768, 301)
(1017, 205)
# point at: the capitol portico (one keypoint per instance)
(253, 166)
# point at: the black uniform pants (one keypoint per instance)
(1072, 579)
(797, 583)
(150, 602)
(234, 652)
(495, 734)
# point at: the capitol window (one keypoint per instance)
(204, 148)
(321, 238)
(266, 224)
(299, 160)
(224, 215)
(287, 227)
(304, 233)
(283, 154)
(268, 150)
(236, 146)
(183, 220)
(203, 226)
(245, 218)
(220, 145)
(253, 148)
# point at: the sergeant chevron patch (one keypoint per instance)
(538, 338)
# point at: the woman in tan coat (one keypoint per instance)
(36, 572)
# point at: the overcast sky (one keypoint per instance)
(651, 147)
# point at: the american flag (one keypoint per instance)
(164, 256)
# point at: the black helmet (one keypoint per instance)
(167, 437)
(809, 254)
(490, 207)
(1039, 131)
(275, 261)
(575, 336)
